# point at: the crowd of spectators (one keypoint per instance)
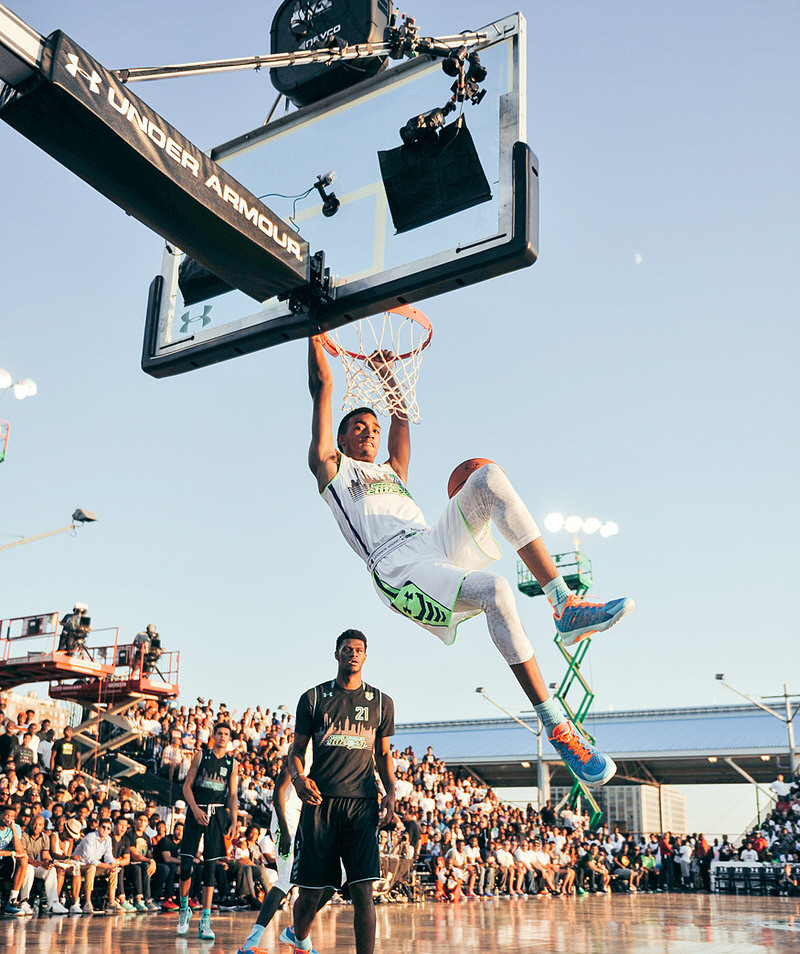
(474, 846)
(259, 741)
(84, 845)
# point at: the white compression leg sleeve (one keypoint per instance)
(493, 594)
(488, 495)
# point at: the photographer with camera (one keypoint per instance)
(76, 626)
(146, 650)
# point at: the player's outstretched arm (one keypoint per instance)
(323, 458)
(399, 446)
(399, 435)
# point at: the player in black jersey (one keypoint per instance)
(350, 724)
(212, 806)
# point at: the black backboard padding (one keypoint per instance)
(72, 117)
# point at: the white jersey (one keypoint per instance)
(371, 504)
(416, 570)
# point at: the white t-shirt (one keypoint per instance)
(504, 858)
(472, 854)
(45, 753)
(402, 788)
(540, 858)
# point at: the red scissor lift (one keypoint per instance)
(104, 680)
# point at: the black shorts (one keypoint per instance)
(340, 831)
(213, 832)
(7, 866)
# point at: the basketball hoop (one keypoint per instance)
(381, 357)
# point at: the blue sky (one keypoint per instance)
(644, 370)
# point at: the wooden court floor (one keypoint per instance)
(618, 924)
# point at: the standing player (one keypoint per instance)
(435, 575)
(350, 724)
(286, 807)
(209, 786)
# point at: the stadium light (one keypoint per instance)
(787, 717)
(553, 522)
(79, 518)
(574, 524)
(20, 389)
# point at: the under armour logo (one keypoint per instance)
(327, 695)
(74, 68)
(205, 319)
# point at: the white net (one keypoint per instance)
(382, 356)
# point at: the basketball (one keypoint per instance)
(459, 476)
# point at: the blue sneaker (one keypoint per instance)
(204, 931)
(184, 917)
(581, 618)
(587, 762)
(13, 910)
(287, 936)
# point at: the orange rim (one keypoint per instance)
(407, 311)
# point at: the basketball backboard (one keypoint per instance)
(402, 232)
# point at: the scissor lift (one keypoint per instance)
(104, 680)
(577, 572)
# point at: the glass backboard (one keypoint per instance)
(409, 225)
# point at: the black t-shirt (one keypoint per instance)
(344, 725)
(141, 843)
(167, 845)
(9, 744)
(65, 753)
(414, 832)
(121, 847)
(24, 758)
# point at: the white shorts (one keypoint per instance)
(283, 864)
(422, 578)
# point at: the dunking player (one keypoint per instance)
(350, 724)
(435, 575)
(286, 807)
(210, 792)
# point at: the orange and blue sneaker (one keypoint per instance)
(581, 618)
(288, 937)
(588, 763)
